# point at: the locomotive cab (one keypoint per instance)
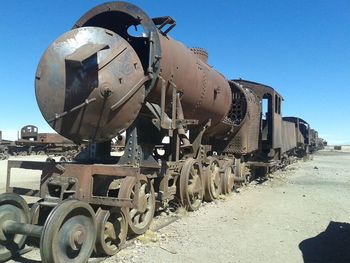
(270, 140)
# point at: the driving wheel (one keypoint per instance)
(212, 180)
(228, 179)
(69, 233)
(112, 230)
(139, 217)
(12, 208)
(190, 186)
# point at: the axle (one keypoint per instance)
(13, 227)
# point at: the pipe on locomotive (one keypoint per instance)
(93, 80)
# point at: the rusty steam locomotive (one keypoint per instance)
(97, 81)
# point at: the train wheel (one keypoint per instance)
(112, 230)
(12, 208)
(140, 217)
(240, 172)
(228, 179)
(34, 220)
(69, 233)
(212, 180)
(191, 189)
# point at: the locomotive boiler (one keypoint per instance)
(92, 82)
(103, 78)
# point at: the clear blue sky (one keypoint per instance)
(301, 48)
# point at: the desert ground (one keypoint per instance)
(301, 214)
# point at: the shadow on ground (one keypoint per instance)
(331, 246)
(26, 260)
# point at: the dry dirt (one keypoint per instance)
(301, 214)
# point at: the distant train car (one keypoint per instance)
(4, 148)
(316, 143)
(29, 132)
(302, 134)
(5, 145)
(33, 142)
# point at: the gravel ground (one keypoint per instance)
(301, 214)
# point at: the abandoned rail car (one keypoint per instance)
(33, 142)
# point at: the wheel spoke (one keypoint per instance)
(191, 193)
(132, 213)
(136, 219)
(110, 231)
(142, 189)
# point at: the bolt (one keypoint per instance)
(106, 90)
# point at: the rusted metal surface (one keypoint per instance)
(288, 136)
(121, 16)
(302, 133)
(92, 93)
(272, 126)
(242, 123)
(205, 94)
(201, 53)
(89, 183)
(302, 129)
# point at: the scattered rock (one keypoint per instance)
(149, 236)
(170, 250)
(182, 212)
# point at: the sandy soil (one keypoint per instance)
(301, 214)
(20, 177)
